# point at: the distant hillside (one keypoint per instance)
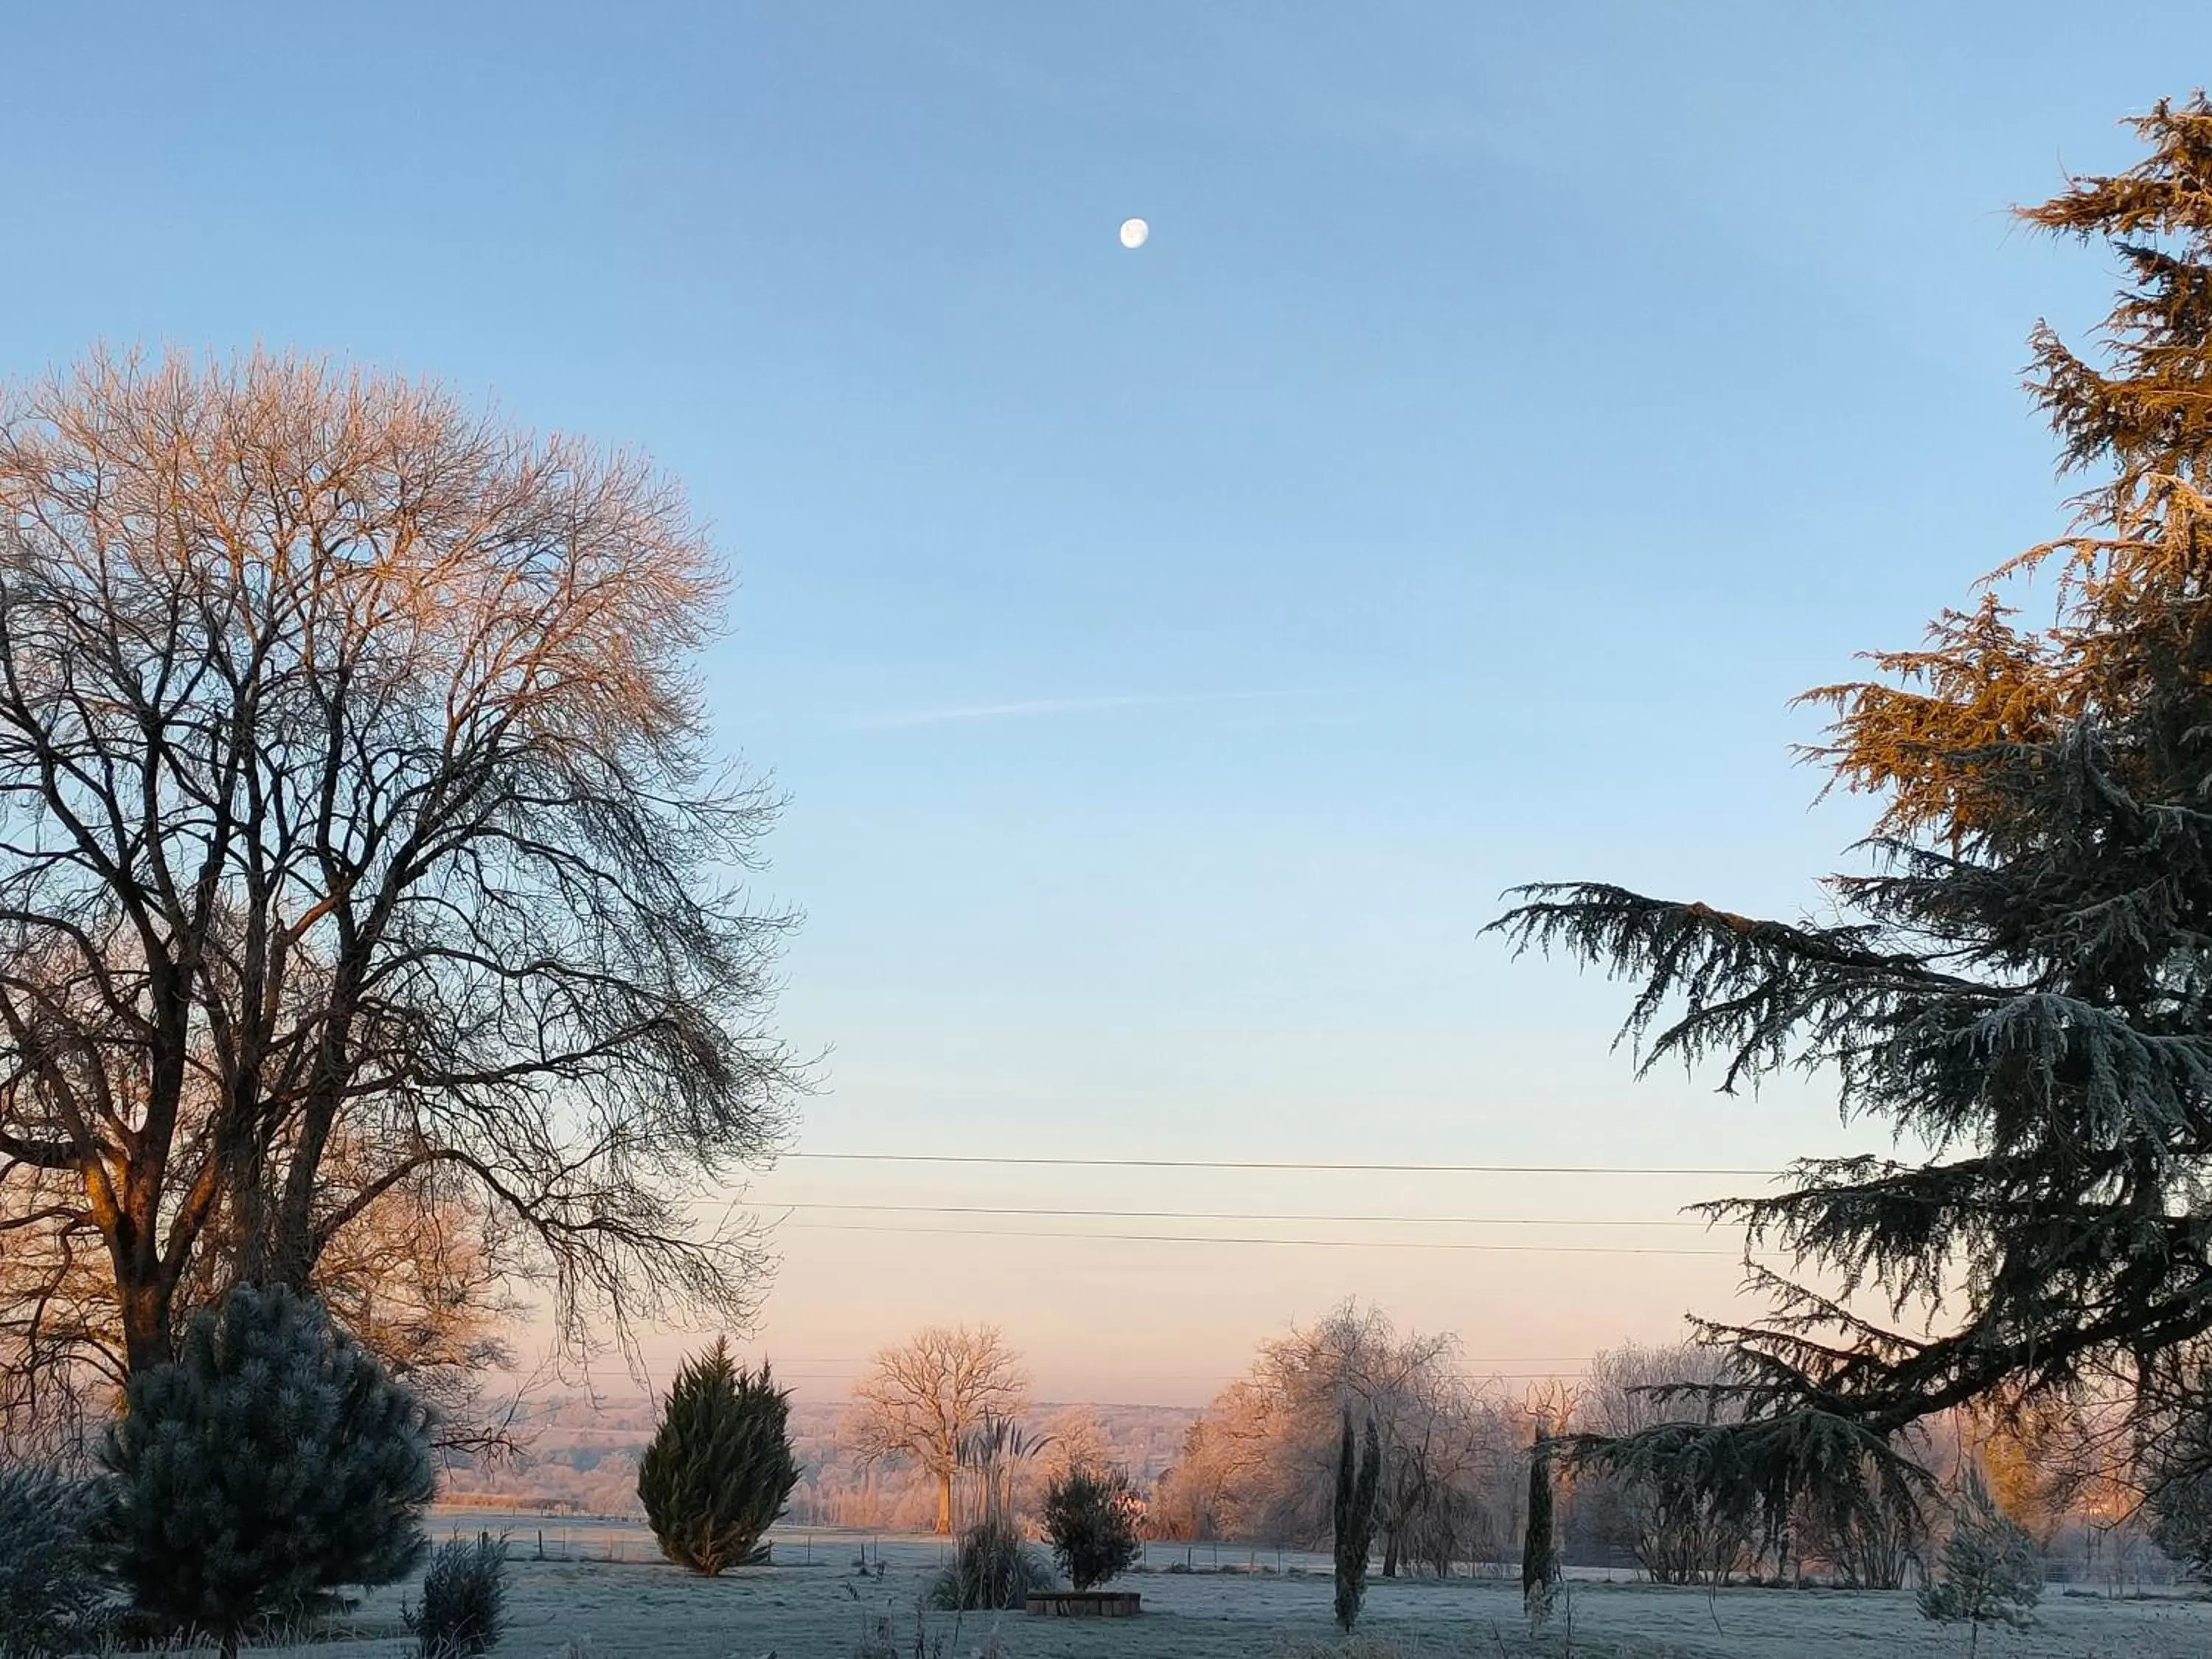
(582, 1455)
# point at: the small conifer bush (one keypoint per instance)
(271, 1464)
(1989, 1573)
(1089, 1519)
(53, 1582)
(719, 1466)
(463, 1600)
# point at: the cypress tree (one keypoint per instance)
(1540, 1551)
(1359, 1487)
(2020, 979)
(270, 1463)
(720, 1465)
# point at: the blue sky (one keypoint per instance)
(1169, 655)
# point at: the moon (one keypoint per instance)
(1134, 233)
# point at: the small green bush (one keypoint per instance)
(54, 1581)
(463, 1600)
(1090, 1520)
(992, 1569)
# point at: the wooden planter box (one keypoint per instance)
(1084, 1604)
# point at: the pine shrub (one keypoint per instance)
(992, 1569)
(719, 1466)
(53, 1582)
(1090, 1520)
(463, 1600)
(271, 1463)
(1989, 1572)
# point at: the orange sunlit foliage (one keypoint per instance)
(2134, 588)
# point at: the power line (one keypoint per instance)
(852, 1363)
(1149, 1376)
(1230, 1215)
(1262, 1163)
(1224, 1238)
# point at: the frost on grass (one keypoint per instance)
(637, 1611)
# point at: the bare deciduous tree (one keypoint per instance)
(356, 832)
(1192, 1502)
(1281, 1426)
(927, 1392)
(420, 1277)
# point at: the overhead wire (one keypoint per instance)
(1224, 1238)
(1279, 1164)
(1230, 1215)
(1069, 1213)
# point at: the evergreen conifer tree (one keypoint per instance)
(271, 1464)
(1540, 1549)
(53, 1573)
(720, 1465)
(1358, 1488)
(2022, 979)
(1989, 1572)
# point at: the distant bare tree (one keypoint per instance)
(357, 833)
(1074, 1438)
(1453, 1451)
(1192, 1501)
(1281, 1425)
(926, 1393)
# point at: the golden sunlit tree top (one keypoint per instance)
(2133, 569)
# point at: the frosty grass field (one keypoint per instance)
(595, 1608)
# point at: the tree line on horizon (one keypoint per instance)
(1256, 1471)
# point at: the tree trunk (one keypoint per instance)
(143, 1296)
(945, 1505)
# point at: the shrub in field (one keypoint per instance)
(53, 1579)
(719, 1466)
(992, 1568)
(463, 1600)
(1989, 1572)
(1090, 1519)
(271, 1463)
